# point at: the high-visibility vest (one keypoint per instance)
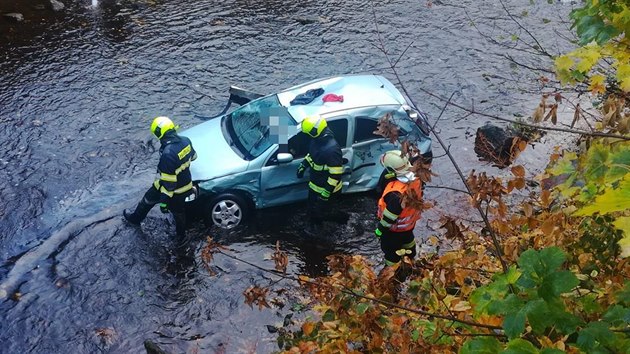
(408, 217)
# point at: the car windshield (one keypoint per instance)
(259, 124)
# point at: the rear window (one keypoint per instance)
(364, 130)
(339, 128)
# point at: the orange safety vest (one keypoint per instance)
(408, 217)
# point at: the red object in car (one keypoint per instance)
(331, 97)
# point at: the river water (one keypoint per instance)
(79, 87)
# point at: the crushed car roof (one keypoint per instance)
(357, 91)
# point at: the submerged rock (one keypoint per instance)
(57, 5)
(153, 348)
(498, 145)
(15, 16)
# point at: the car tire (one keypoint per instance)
(228, 210)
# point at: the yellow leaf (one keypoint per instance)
(617, 199)
(563, 62)
(597, 84)
(589, 56)
(461, 306)
(623, 223)
(308, 327)
(623, 76)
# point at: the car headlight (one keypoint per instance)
(192, 196)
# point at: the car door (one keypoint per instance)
(279, 183)
(367, 149)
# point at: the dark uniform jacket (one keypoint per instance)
(176, 154)
(325, 161)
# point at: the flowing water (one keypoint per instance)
(80, 85)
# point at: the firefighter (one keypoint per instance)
(173, 183)
(325, 162)
(396, 222)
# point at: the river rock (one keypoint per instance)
(15, 16)
(57, 5)
(497, 145)
(153, 348)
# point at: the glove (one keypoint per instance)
(300, 171)
(378, 233)
(164, 208)
(324, 195)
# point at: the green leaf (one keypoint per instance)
(536, 265)
(512, 275)
(551, 351)
(552, 258)
(485, 345)
(362, 307)
(538, 315)
(596, 163)
(557, 283)
(415, 334)
(617, 316)
(510, 304)
(619, 164)
(514, 324)
(595, 337)
(520, 346)
(329, 315)
(623, 296)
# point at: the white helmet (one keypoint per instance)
(395, 163)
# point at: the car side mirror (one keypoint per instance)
(284, 157)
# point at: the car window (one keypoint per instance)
(364, 130)
(339, 128)
(257, 125)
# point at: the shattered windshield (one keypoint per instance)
(258, 125)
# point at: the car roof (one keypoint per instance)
(357, 91)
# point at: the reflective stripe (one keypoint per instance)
(335, 170)
(179, 190)
(404, 223)
(410, 244)
(390, 263)
(338, 188)
(319, 190)
(332, 181)
(317, 167)
(184, 189)
(183, 152)
(385, 223)
(163, 190)
(168, 178)
(390, 215)
(184, 166)
(402, 252)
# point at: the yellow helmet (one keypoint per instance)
(394, 162)
(161, 125)
(314, 125)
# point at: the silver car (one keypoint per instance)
(247, 159)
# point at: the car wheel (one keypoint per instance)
(228, 211)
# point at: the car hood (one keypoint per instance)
(215, 157)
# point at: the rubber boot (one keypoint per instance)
(142, 209)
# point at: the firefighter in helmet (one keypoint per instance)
(325, 161)
(396, 222)
(173, 183)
